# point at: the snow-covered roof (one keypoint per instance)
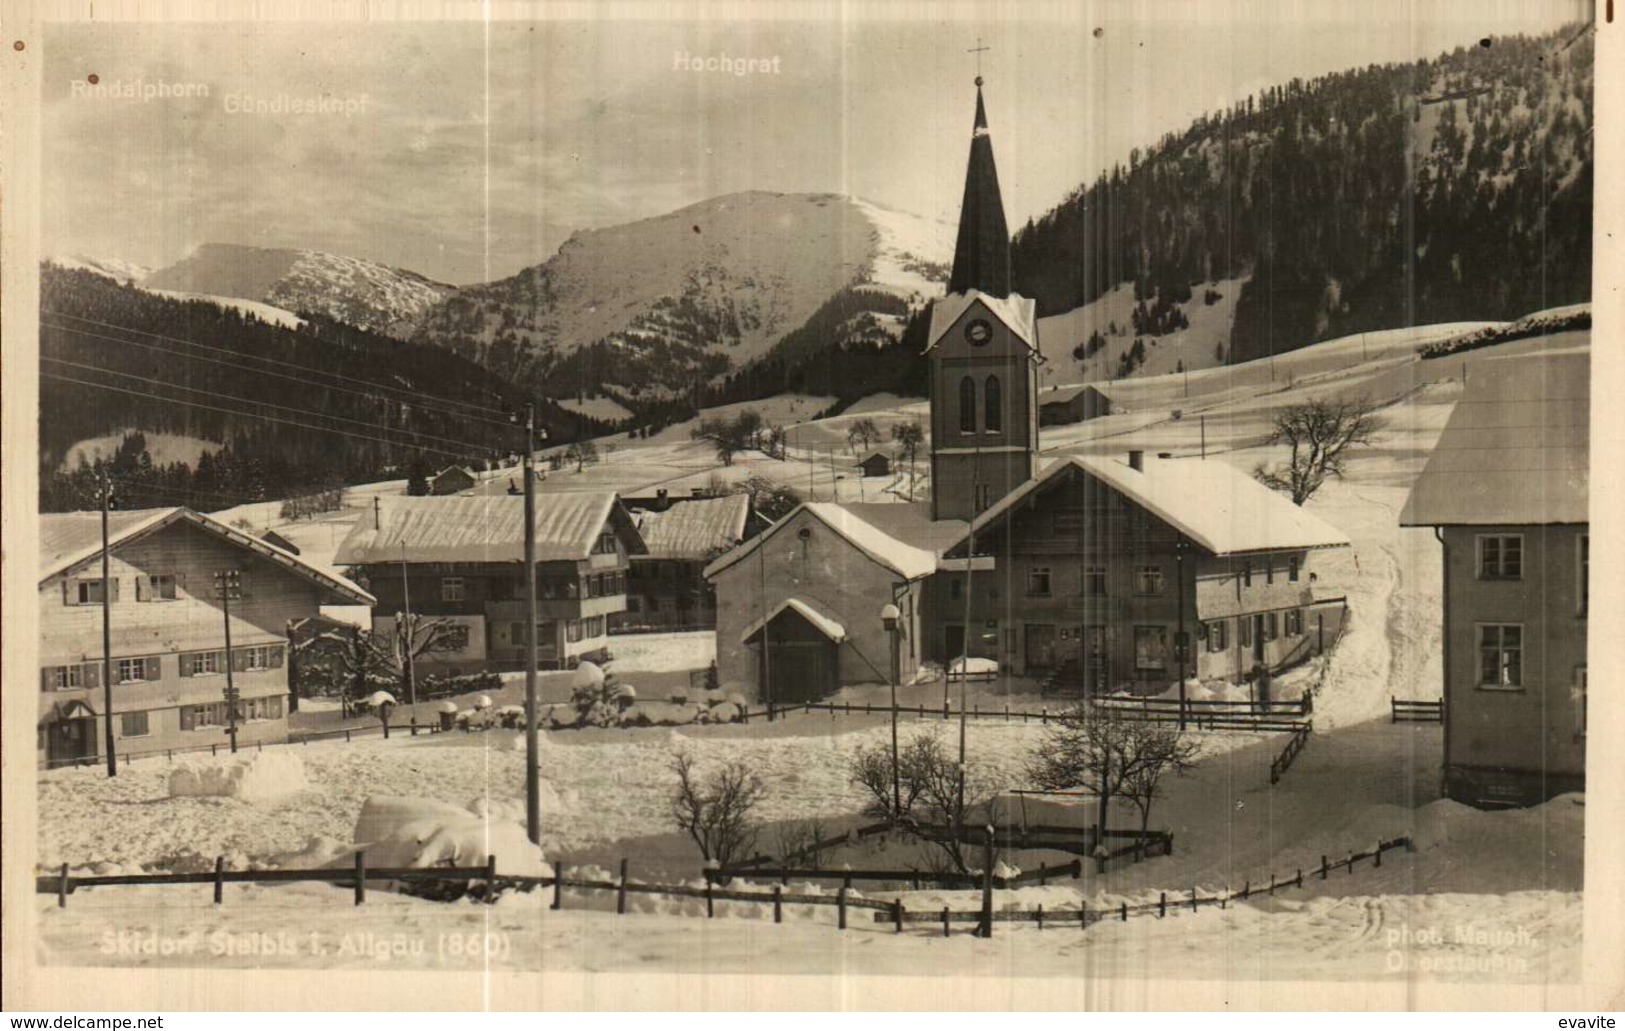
(905, 560)
(69, 540)
(1063, 395)
(830, 628)
(1019, 315)
(873, 453)
(693, 528)
(1517, 448)
(487, 528)
(1214, 504)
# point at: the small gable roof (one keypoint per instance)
(693, 528)
(69, 540)
(487, 528)
(1214, 504)
(1065, 395)
(1516, 450)
(1019, 315)
(905, 560)
(825, 625)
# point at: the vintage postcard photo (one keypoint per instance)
(1085, 494)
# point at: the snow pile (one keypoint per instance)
(261, 778)
(417, 833)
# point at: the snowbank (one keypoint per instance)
(260, 778)
(417, 833)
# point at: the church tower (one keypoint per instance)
(983, 345)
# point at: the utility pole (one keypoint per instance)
(228, 584)
(533, 799)
(107, 631)
(891, 619)
(406, 632)
(1181, 638)
(377, 518)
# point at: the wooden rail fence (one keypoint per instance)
(1281, 763)
(1415, 710)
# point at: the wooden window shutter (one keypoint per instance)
(155, 668)
(276, 656)
(143, 590)
(47, 678)
(239, 660)
(92, 674)
(188, 718)
(70, 592)
(112, 585)
(188, 665)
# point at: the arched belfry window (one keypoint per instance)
(967, 405)
(995, 406)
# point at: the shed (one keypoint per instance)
(1073, 404)
(453, 480)
(875, 463)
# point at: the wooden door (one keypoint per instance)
(1040, 646)
(68, 741)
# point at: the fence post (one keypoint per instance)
(620, 891)
(414, 725)
(1043, 875)
(1040, 916)
(1351, 862)
(1379, 853)
(1044, 716)
(346, 735)
(1246, 889)
(945, 921)
(219, 881)
(558, 885)
(212, 749)
(1077, 869)
(360, 877)
(840, 907)
(1193, 898)
(986, 926)
(1323, 867)
(778, 904)
(897, 914)
(491, 878)
(710, 903)
(1272, 882)
(1299, 882)
(1124, 912)
(1162, 906)
(62, 890)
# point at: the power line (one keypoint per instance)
(255, 415)
(242, 356)
(251, 401)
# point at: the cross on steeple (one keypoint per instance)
(977, 50)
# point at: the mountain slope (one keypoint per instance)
(1451, 189)
(362, 293)
(651, 308)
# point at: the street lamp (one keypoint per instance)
(891, 619)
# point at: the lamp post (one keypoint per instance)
(891, 619)
(107, 631)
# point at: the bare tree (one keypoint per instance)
(730, 436)
(799, 842)
(864, 432)
(716, 812)
(932, 807)
(1319, 434)
(909, 437)
(582, 453)
(356, 657)
(773, 442)
(1116, 757)
(412, 636)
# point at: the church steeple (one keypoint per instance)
(982, 253)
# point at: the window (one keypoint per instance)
(1583, 546)
(967, 405)
(1579, 703)
(994, 405)
(1215, 636)
(155, 587)
(1292, 570)
(85, 592)
(135, 671)
(453, 588)
(195, 717)
(65, 678)
(956, 589)
(134, 724)
(1038, 581)
(1094, 581)
(1244, 631)
(1272, 626)
(572, 631)
(260, 708)
(606, 543)
(983, 497)
(1294, 622)
(1500, 655)
(1148, 579)
(202, 664)
(257, 657)
(1500, 557)
(1150, 647)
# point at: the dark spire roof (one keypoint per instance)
(982, 253)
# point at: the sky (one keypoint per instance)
(467, 150)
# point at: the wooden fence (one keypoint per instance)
(1408, 710)
(1281, 763)
(1261, 717)
(63, 884)
(915, 878)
